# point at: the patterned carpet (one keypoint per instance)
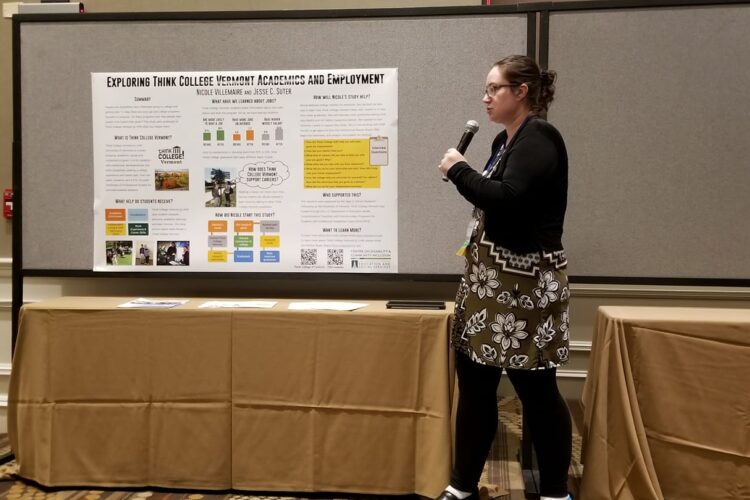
(502, 473)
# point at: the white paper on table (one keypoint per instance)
(240, 304)
(320, 305)
(142, 303)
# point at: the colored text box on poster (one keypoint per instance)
(217, 256)
(270, 256)
(138, 229)
(217, 226)
(116, 230)
(270, 226)
(270, 241)
(218, 240)
(138, 214)
(339, 163)
(114, 214)
(243, 256)
(243, 241)
(243, 226)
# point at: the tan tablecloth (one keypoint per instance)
(230, 398)
(667, 405)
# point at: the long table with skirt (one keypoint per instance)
(248, 399)
(667, 405)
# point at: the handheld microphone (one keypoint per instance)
(471, 128)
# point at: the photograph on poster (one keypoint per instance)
(172, 180)
(220, 187)
(173, 253)
(145, 254)
(119, 253)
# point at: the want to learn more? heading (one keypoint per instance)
(244, 80)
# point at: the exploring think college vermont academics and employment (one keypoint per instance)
(260, 171)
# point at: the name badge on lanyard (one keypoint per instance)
(474, 221)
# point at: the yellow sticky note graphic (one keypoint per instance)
(217, 256)
(116, 230)
(270, 241)
(339, 163)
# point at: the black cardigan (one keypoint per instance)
(524, 201)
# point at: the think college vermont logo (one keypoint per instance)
(171, 156)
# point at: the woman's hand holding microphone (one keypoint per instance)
(450, 158)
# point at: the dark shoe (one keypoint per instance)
(447, 495)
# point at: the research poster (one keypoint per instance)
(250, 171)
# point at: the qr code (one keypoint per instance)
(335, 256)
(308, 257)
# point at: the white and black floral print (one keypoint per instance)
(564, 326)
(508, 331)
(511, 309)
(463, 291)
(518, 361)
(476, 324)
(545, 333)
(545, 292)
(476, 215)
(476, 358)
(489, 352)
(514, 299)
(474, 252)
(483, 281)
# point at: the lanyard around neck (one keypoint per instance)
(497, 157)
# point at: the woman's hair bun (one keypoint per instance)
(547, 77)
(520, 69)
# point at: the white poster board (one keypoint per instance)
(265, 171)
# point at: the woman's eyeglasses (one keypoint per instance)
(491, 89)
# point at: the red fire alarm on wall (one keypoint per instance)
(8, 203)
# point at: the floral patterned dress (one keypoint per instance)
(512, 309)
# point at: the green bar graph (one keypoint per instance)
(206, 136)
(220, 135)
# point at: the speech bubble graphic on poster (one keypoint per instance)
(264, 174)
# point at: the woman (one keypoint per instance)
(512, 303)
